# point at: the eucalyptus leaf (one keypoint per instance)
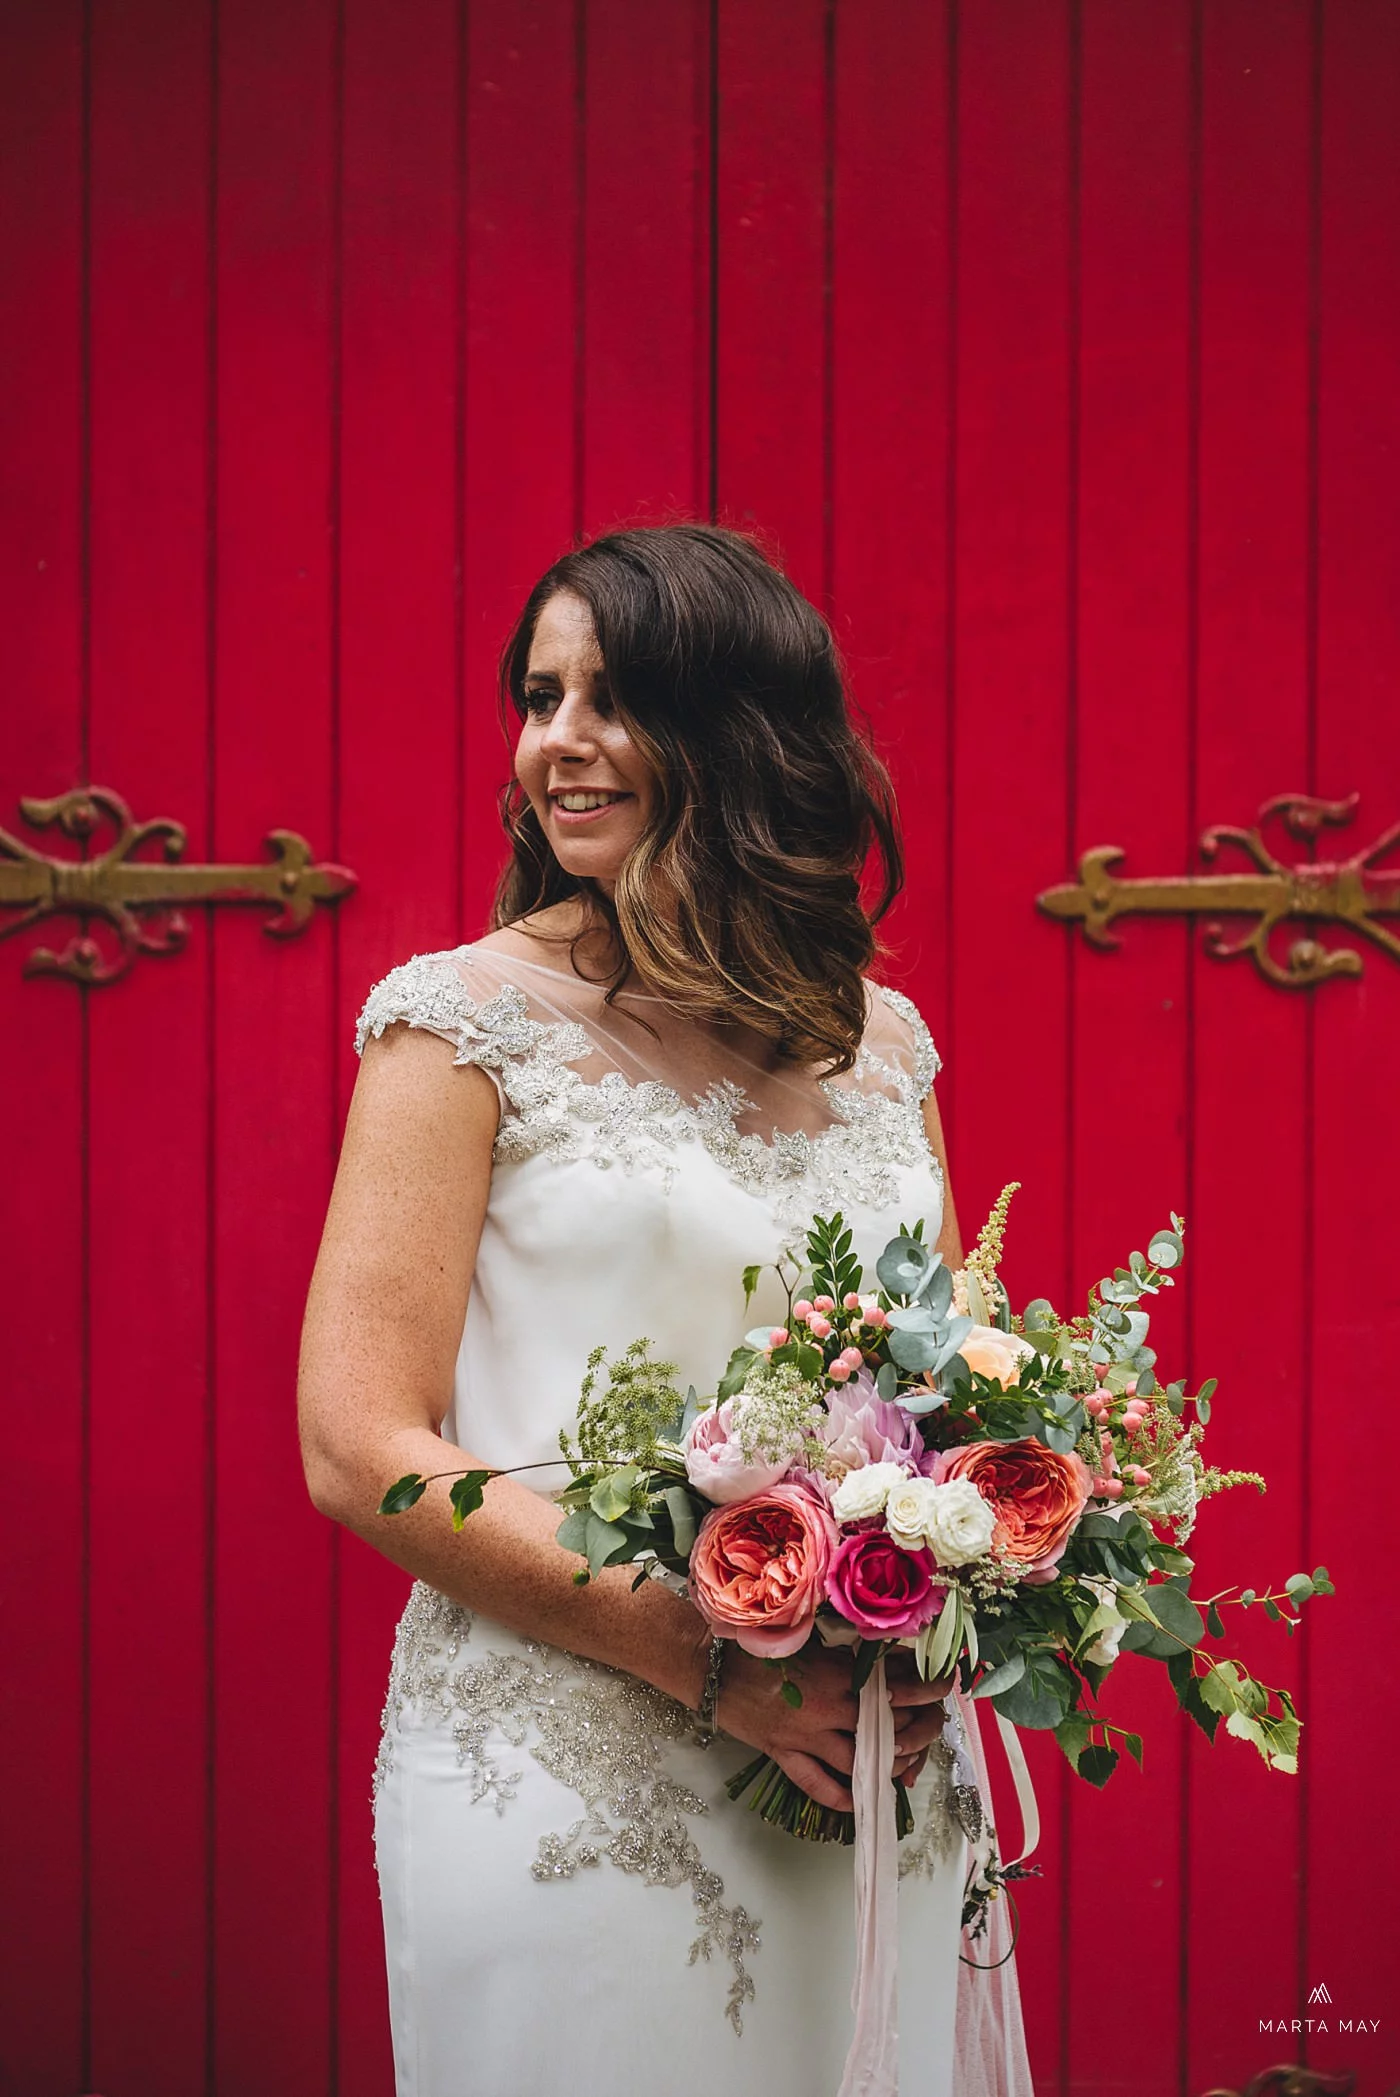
(1176, 1612)
(937, 1291)
(606, 1542)
(913, 1352)
(1039, 1701)
(1002, 1676)
(1038, 1316)
(1165, 1249)
(904, 1266)
(612, 1495)
(886, 1381)
(684, 1527)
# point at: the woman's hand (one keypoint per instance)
(918, 1712)
(814, 1743)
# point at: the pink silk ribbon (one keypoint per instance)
(872, 2065)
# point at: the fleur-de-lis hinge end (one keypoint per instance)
(1357, 892)
(140, 897)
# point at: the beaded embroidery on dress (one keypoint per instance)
(539, 1816)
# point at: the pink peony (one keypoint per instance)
(714, 1460)
(860, 1428)
(758, 1570)
(884, 1590)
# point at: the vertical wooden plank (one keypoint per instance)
(1250, 1102)
(890, 409)
(150, 147)
(1351, 1703)
(274, 1012)
(646, 260)
(521, 494)
(1011, 725)
(398, 759)
(43, 2021)
(772, 353)
(1130, 424)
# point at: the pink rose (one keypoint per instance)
(1038, 1495)
(714, 1460)
(758, 1570)
(885, 1591)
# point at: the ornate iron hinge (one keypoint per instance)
(1352, 891)
(137, 897)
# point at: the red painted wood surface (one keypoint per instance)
(1053, 347)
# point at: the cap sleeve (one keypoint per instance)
(915, 1050)
(496, 1031)
(426, 992)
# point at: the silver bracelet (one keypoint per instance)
(709, 1695)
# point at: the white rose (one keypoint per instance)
(960, 1523)
(1104, 1651)
(863, 1492)
(908, 1510)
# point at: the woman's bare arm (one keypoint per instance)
(949, 1237)
(383, 1324)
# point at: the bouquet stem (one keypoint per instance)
(785, 1805)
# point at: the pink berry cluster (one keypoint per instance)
(825, 1322)
(1108, 1483)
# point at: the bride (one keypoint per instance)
(663, 1059)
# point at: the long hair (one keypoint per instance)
(742, 901)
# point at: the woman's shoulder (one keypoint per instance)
(489, 996)
(897, 1032)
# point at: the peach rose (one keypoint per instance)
(994, 1353)
(1038, 1496)
(758, 1570)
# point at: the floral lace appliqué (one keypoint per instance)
(599, 1732)
(876, 1126)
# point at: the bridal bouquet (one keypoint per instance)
(912, 1464)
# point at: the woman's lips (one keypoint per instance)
(569, 817)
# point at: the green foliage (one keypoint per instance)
(467, 1494)
(637, 1412)
(403, 1494)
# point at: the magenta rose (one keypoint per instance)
(886, 1592)
(758, 1569)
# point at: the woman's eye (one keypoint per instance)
(538, 701)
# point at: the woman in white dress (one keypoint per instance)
(660, 1063)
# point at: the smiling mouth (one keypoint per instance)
(578, 801)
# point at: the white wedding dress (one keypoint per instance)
(571, 1902)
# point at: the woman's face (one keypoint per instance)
(588, 783)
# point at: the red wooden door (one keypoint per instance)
(1053, 344)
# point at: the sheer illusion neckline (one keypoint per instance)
(645, 997)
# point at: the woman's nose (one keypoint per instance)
(568, 731)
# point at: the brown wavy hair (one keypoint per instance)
(742, 901)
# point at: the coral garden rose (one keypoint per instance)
(884, 1590)
(994, 1353)
(1038, 1496)
(714, 1459)
(759, 1568)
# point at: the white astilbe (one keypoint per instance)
(775, 1412)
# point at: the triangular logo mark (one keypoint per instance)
(1319, 1993)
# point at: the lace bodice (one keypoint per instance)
(641, 1163)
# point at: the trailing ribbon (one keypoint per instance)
(872, 2065)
